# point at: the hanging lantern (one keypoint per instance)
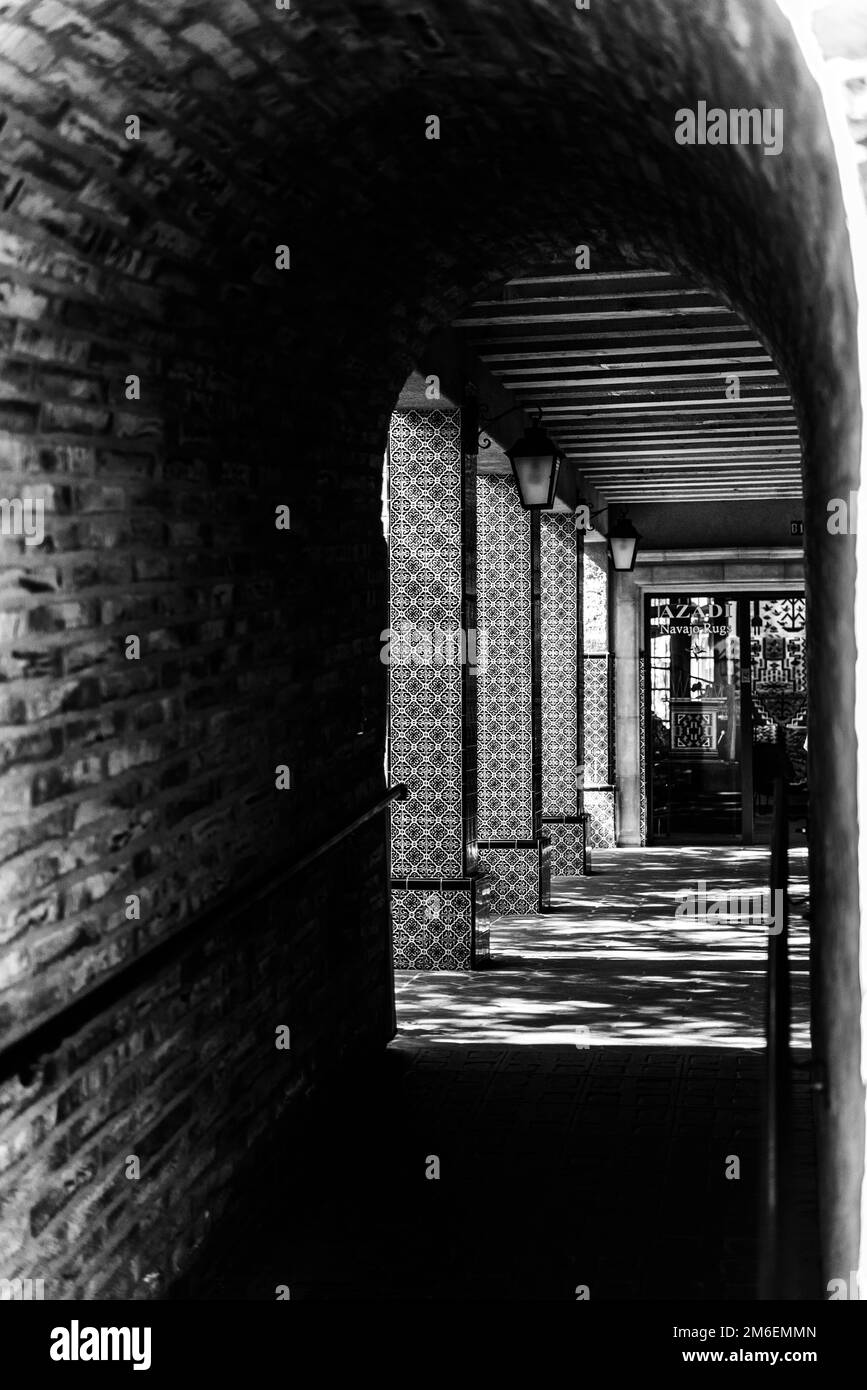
(535, 461)
(623, 544)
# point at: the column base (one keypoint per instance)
(567, 836)
(599, 807)
(521, 875)
(441, 923)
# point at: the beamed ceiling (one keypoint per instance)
(630, 368)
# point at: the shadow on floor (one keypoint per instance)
(559, 1167)
(613, 964)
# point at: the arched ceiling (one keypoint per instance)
(306, 127)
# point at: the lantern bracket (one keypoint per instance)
(485, 441)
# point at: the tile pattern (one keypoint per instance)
(425, 595)
(469, 733)
(595, 599)
(598, 798)
(515, 876)
(643, 698)
(567, 848)
(505, 791)
(431, 928)
(597, 721)
(559, 561)
(599, 805)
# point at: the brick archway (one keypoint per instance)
(155, 258)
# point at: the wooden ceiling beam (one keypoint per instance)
(724, 453)
(627, 359)
(584, 291)
(618, 490)
(666, 335)
(620, 281)
(705, 315)
(610, 379)
(629, 367)
(630, 431)
(743, 471)
(576, 443)
(587, 410)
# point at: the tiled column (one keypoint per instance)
(643, 702)
(598, 702)
(562, 816)
(628, 709)
(439, 900)
(511, 844)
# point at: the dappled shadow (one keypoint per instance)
(612, 963)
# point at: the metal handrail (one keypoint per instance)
(774, 1271)
(20, 1055)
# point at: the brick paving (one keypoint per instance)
(598, 1163)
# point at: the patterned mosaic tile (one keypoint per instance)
(643, 696)
(505, 798)
(432, 928)
(425, 598)
(559, 559)
(595, 599)
(597, 721)
(599, 805)
(567, 848)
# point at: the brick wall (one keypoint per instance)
(156, 776)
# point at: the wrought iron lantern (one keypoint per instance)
(535, 461)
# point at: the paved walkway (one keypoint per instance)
(612, 964)
(565, 1159)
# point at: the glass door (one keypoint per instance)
(694, 727)
(712, 718)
